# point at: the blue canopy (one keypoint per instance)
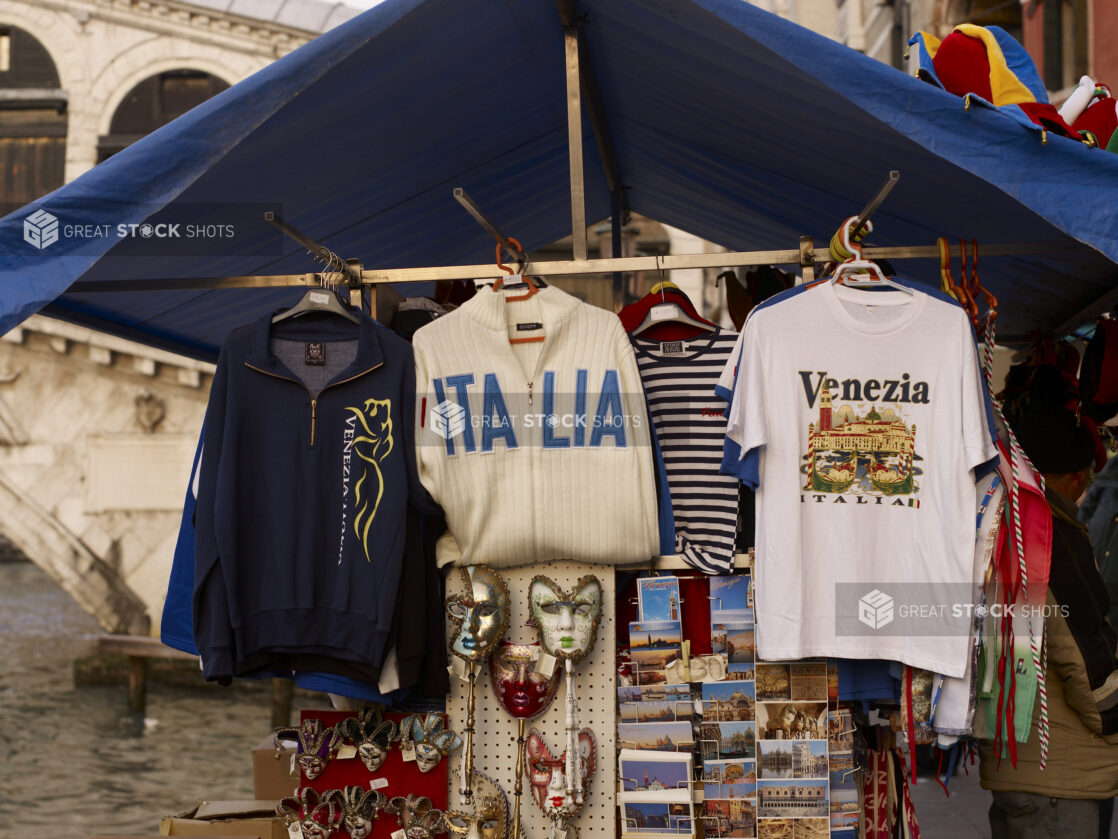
(727, 121)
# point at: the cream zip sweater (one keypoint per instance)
(536, 451)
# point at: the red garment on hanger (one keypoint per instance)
(634, 314)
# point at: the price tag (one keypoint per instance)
(408, 752)
(378, 783)
(347, 752)
(458, 668)
(295, 830)
(291, 770)
(399, 834)
(545, 665)
(663, 311)
(319, 298)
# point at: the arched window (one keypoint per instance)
(32, 120)
(153, 103)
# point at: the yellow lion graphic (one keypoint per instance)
(372, 444)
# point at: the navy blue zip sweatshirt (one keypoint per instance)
(307, 468)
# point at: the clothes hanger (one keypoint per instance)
(322, 300)
(671, 311)
(857, 272)
(975, 288)
(515, 279)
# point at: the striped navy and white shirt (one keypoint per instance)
(679, 379)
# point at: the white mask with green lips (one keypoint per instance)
(567, 623)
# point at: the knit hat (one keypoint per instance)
(1055, 440)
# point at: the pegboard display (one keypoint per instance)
(495, 731)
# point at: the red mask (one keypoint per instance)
(522, 691)
(548, 775)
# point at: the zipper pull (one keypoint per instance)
(529, 394)
(314, 412)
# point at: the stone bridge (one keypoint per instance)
(97, 436)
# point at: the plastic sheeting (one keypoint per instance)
(727, 121)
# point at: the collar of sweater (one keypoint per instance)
(489, 308)
(315, 327)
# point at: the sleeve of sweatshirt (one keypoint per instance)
(414, 389)
(213, 630)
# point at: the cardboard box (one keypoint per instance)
(239, 819)
(271, 778)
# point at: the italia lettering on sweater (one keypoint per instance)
(496, 422)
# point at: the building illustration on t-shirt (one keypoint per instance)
(869, 454)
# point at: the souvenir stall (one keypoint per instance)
(531, 507)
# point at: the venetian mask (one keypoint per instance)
(481, 616)
(371, 734)
(431, 740)
(317, 818)
(317, 746)
(417, 816)
(548, 774)
(358, 807)
(490, 816)
(522, 691)
(567, 623)
(705, 668)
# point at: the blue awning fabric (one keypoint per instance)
(727, 121)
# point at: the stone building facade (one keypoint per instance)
(97, 434)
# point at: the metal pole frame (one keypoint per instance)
(563, 268)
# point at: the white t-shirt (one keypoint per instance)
(859, 416)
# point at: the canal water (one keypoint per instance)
(74, 762)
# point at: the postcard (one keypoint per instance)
(844, 808)
(730, 594)
(729, 817)
(808, 680)
(722, 740)
(667, 710)
(809, 759)
(656, 736)
(729, 701)
(658, 599)
(653, 645)
(736, 641)
(789, 828)
(664, 692)
(841, 768)
(792, 799)
(655, 775)
(729, 779)
(628, 693)
(776, 829)
(791, 720)
(656, 818)
(773, 682)
(774, 759)
(840, 730)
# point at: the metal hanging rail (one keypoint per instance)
(564, 268)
